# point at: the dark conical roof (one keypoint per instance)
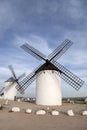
(11, 79)
(47, 66)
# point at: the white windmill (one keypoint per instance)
(48, 76)
(9, 91)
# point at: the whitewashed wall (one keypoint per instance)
(48, 88)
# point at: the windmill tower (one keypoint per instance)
(48, 76)
(9, 91)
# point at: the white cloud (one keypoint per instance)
(36, 41)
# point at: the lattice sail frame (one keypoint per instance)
(14, 78)
(66, 75)
(69, 77)
(27, 81)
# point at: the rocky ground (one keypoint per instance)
(24, 121)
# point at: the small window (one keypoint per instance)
(52, 71)
(44, 72)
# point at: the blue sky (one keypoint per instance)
(44, 24)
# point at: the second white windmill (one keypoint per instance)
(9, 91)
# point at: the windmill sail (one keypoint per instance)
(65, 74)
(21, 76)
(12, 71)
(27, 81)
(2, 90)
(34, 52)
(69, 77)
(60, 50)
(12, 80)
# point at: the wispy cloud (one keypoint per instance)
(35, 41)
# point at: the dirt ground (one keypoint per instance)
(22, 121)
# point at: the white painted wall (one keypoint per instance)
(10, 91)
(48, 88)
